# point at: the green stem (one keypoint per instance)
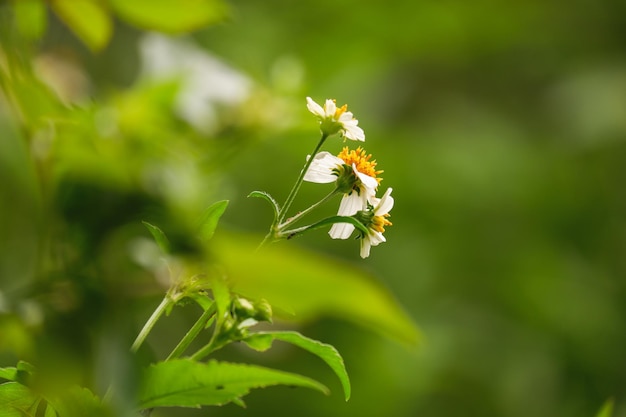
(296, 187)
(192, 333)
(301, 214)
(156, 314)
(207, 349)
(267, 237)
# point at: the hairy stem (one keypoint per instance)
(192, 333)
(298, 216)
(296, 187)
(156, 314)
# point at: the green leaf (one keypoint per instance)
(16, 400)
(186, 383)
(50, 412)
(309, 284)
(9, 373)
(170, 16)
(607, 409)
(160, 238)
(24, 366)
(267, 197)
(88, 19)
(30, 18)
(20, 373)
(221, 298)
(210, 218)
(262, 341)
(79, 402)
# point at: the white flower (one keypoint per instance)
(335, 119)
(376, 226)
(326, 168)
(358, 183)
(322, 168)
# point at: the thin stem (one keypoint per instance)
(156, 314)
(267, 237)
(192, 333)
(301, 214)
(296, 186)
(207, 349)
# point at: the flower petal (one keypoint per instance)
(341, 230)
(321, 169)
(351, 130)
(350, 204)
(314, 108)
(369, 183)
(385, 204)
(376, 238)
(365, 248)
(330, 108)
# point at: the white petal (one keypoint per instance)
(385, 204)
(350, 204)
(365, 247)
(314, 108)
(341, 230)
(372, 239)
(369, 183)
(321, 169)
(330, 108)
(347, 117)
(376, 238)
(352, 131)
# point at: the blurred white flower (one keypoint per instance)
(207, 83)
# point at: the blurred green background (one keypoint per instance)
(501, 127)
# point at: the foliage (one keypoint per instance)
(89, 165)
(500, 125)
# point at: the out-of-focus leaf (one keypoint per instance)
(221, 297)
(88, 19)
(210, 218)
(9, 373)
(159, 237)
(262, 341)
(16, 400)
(50, 412)
(170, 16)
(311, 285)
(186, 383)
(20, 373)
(30, 17)
(79, 402)
(607, 409)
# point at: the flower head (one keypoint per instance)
(375, 219)
(335, 119)
(356, 177)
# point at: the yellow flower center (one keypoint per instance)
(379, 223)
(361, 160)
(340, 110)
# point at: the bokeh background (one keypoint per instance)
(501, 127)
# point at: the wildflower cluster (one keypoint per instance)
(355, 176)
